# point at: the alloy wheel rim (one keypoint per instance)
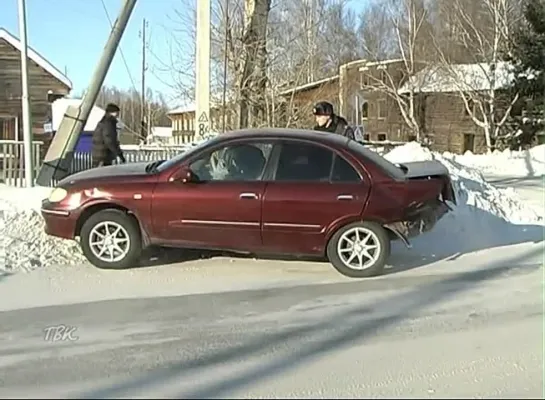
(109, 241)
(359, 248)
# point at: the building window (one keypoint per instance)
(382, 111)
(366, 137)
(365, 111)
(364, 80)
(381, 137)
(472, 107)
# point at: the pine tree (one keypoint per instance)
(528, 55)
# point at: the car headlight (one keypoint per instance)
(57, 195)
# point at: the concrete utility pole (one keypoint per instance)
(225, 61)
(61, 151)
(145, 122)
(202, 86)
(25, 98)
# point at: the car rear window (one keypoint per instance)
(391, 169)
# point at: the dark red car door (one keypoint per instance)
(312, 190)
(216, 212)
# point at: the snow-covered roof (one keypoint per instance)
(59, 107)
(190, 107)
(310, 85)
(460, 77)
(383, 63)
(161, 131)
(37, 58)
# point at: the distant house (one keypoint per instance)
(300, 100)
(185, 123)
(439, 108)
(161, 135)
(44, 80)
(446, 118)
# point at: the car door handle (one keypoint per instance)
(345, 197)
(248, 196)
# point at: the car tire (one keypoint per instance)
(377, 236)
(128, 239)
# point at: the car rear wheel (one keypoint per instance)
(111, 239)
(359, 250)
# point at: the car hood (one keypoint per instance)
(120, 170)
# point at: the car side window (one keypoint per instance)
(304, 163)
(343, 172)
(236, 162)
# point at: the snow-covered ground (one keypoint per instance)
(505, 163)
(489, 221)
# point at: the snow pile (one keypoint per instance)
(508, 163)
(485, 215)
(24, 245)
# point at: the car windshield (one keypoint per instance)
(393, 170)
(182, 156)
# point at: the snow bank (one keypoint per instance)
(508, 163)
(485, 215)
(24, 245)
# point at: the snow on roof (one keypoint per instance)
(59, 107)
(382, 63)
(191, 107)
(460, 77)
(161, 131)
(37, 58)
(308, 86)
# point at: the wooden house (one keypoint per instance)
(366, 94)
(44, 80)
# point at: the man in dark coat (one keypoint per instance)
(327, 121)
(105, 142)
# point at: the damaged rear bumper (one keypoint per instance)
(420, 218)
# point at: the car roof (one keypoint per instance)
(305, 134)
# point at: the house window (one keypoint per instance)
(381, 137)
(472, 107)
(382, 111)
(364, 80)
(366, 137)
(365, 110)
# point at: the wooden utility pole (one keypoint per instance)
(202, 86)
(145, 121)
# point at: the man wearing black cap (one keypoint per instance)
(327, 121)
(105, 142)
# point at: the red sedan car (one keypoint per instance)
(274, 191)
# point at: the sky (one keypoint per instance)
(71, 34)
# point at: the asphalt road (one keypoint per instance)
(471, 334)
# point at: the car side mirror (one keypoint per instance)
(183, 175)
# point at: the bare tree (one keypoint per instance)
(410, 27)
(481, 84)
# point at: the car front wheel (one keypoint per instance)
(359, 250)
(111, 239)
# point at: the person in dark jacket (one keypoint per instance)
(328, 121)
(106, 147)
